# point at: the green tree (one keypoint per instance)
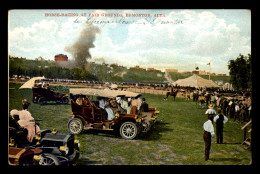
(240, 72)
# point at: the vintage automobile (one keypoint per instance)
(47, 148)
(91, 116)
(42, 95)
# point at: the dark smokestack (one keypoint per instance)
(80, 48)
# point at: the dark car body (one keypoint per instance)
(47, 147)
(42, 95)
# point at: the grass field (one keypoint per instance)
(176, 138)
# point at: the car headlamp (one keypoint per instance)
(77, 142)
(64, 149)
(37, 157)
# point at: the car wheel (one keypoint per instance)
(128, 130)
(48, 159)
(75, 155)
(65, 100)
(75, 126)
(42, 101)
(58, 101)
(146, 126)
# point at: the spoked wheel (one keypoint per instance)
(42, 101)
(146, 126)
(58, 101)
(65, 100)
(48, 159)
(128, 130)
(75, 126)
(75, 155)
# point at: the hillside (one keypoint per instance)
(93, 71)
(176, 76)
(96, 72)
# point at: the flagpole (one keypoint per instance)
(209, 72)
(209, 68)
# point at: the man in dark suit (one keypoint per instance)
(144, 106)
(220, 120)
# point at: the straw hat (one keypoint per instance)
(210, 106)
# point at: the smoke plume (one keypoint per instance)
(80, 48)
(99, 60)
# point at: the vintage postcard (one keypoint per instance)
(129, 87)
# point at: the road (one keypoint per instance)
(168, 78)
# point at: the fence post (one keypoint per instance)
(245, 133)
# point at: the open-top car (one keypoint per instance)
(47, 147)
(89, 114)
(43, 94)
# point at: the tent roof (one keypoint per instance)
(102, 92)
(195, 81)
(30, 83)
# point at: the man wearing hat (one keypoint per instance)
(208, 130)
(25, 104)
(208, 133)
(210, 110)
(220, 120)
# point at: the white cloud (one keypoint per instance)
(201, 36)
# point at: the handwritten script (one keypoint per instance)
(124, 20)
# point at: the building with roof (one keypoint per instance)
(61, 58)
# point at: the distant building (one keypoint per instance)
(151, 69)
(221, 75)
(40, 59)
(171, 70)
(61, 58)
(195, 72)
(183, 72)
(137, 68)
(203, 72)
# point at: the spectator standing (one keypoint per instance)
(208, 133)
(231, 107)
(210, 110)
(237, 110)
(242, 114)
(220, 120)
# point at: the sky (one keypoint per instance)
(160, 39)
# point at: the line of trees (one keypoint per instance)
(32, 68)
(89, 72)
(240, 71)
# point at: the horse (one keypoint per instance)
(201, 100)
(172, 93)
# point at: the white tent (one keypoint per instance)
(30, 83)
(195, 81)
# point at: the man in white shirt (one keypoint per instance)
(210, 110)
(208, 133)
